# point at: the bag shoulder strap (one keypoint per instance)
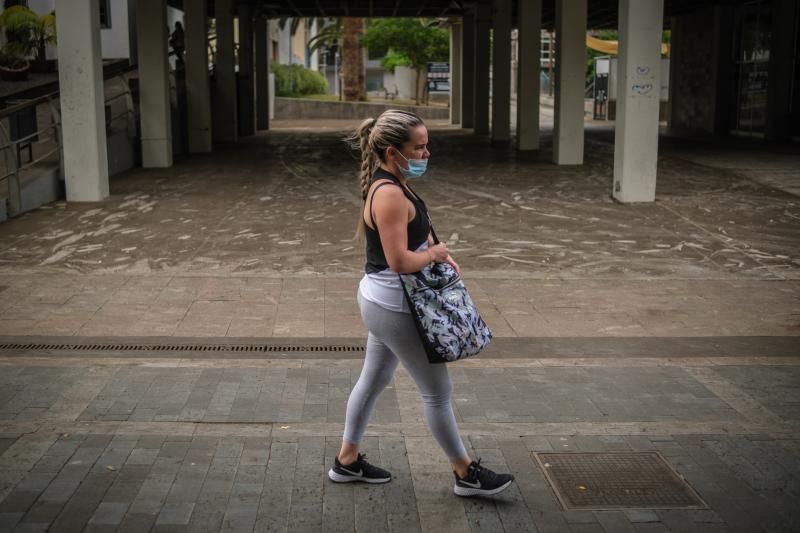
(430, 222)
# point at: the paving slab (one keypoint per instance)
(255, 475)
(667, 327)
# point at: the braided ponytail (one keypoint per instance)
(372, 138)
(368, 158)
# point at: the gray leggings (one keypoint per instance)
(393, 336)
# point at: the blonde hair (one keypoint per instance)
(392, 128)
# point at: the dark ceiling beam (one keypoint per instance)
(422, 8)
(396, 7)
(319, 7)
(294, 8)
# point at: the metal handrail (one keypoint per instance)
(50, 132)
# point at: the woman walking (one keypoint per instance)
(394, 220)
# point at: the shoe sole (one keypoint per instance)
(341, 478)
(468, 491)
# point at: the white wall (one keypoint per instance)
(405, 79)
(114, 40)
(285, 43)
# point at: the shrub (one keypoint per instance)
(296, 80)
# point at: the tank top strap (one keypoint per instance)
(372, 197)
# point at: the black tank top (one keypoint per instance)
(418, 228)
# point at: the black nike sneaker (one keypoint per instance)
(481, 481)
(361, 470)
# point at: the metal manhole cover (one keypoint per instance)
(617, 480)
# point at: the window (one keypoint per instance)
(753, 35)
(105, 14)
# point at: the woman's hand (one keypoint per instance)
(449, 260)
(438, 252)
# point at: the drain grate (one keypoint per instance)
(196, 347)
(617, 480)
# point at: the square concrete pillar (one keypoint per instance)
(225, 69)
(198, 90)
(483, 18)
(468, 71)
(570, 81)
(155, 110)
(501, 71)
(638, 96)
(456, 44)
(782, 53)
(529, 17)
(247, 94)
(80, 78)
(263, 58)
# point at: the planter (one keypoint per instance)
(15, 74)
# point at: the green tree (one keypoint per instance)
(413, 41)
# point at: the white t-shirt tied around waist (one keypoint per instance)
(384, 289)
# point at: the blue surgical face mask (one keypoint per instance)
(416, 167)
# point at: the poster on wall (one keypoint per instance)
(438, 77)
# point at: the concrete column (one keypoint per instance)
(725, 68)
(781, 56)
(262, 73)
(456, 43)
(132, 45)
(483, 16)
(468, 71)
(225, 72)
(80, 77)
(638, 88)
(154, 98)
(198, 91)
(501, 72)
(529, 17)
(570, 81)
(247, 94)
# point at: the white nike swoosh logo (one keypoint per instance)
(359, 473)
(473, 485)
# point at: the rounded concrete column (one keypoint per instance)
(263, 59)
(483, 17)
(456, 44)
(501, 71)
(198, 90)
(225, 83)
(570, 81)
(638, 97)
(247, 94)
(529, 16)
(468, 71)
(155, 110)
(80, 78)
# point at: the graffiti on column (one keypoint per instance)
(642, 82)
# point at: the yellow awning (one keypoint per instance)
(612, 47)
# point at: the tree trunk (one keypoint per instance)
(420, 84)
(353, 60)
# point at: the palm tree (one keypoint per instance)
(353, 56)
(348, 32)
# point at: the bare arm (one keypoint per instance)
(391, 217)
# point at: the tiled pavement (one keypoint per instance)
(139, 444)
(255, 243)
(297, 306)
